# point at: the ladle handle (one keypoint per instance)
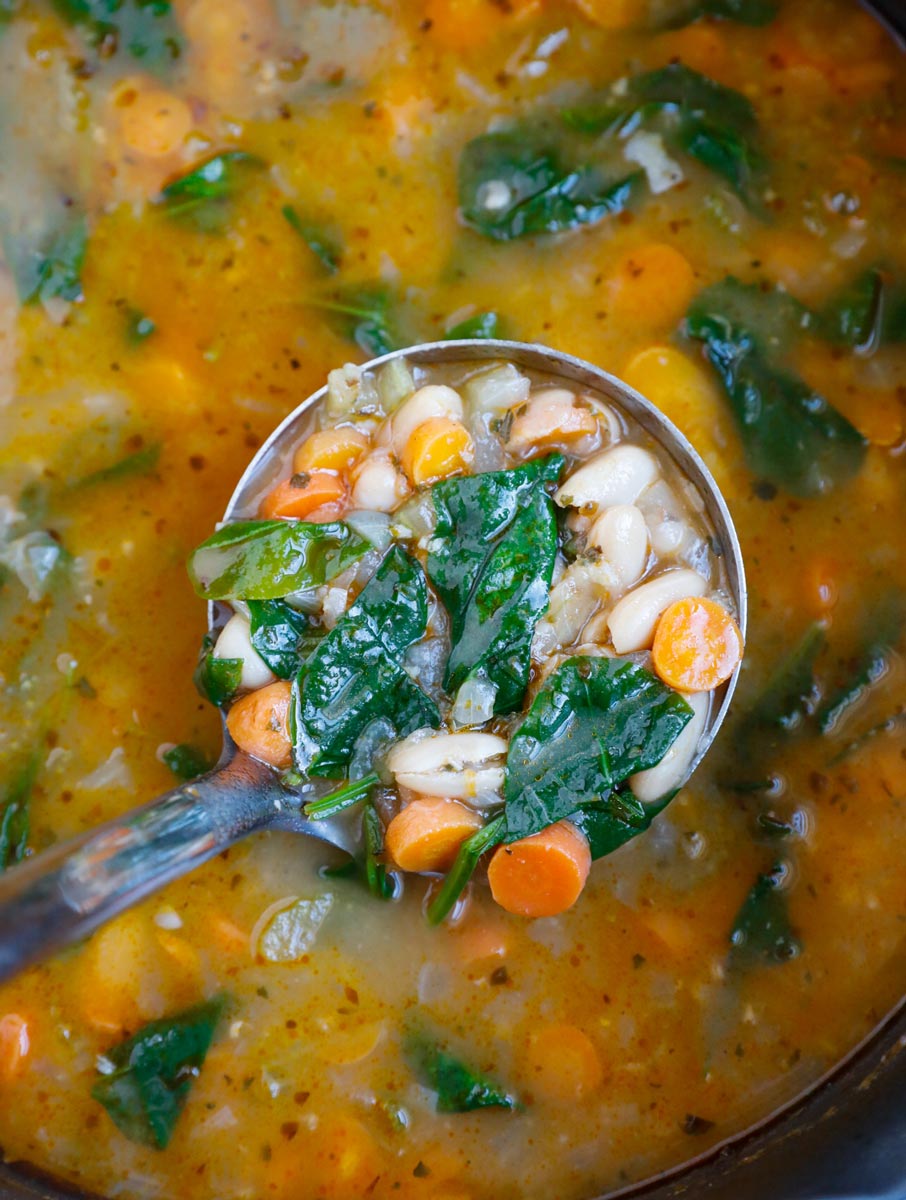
(60, 896)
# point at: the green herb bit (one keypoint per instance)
(281, 635)
(326, 249)
(482, 325)
(365, 318)
(50, 266)
(204, 197)
(147, 29)
(459, 1089)
(464, 867)
(150, 1075)
(379, 879)
(343, 798)
(140, 462)
(761, 933)
(138, 327)
(14, 812)
(744, 12)
(185, 761)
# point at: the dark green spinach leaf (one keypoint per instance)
(869, 312)
(147, 29)
(594, 722)
(792, 436)
(364, 318)
(152, 1073)
(139, 462)
(355, 674)
(513, 184)
(266, 560)
(761, 933)
(216, 679)
(745, 12)
(459, 1089)
(14, 812)
(185, 761)
(482, 325)
(612, 821)
(278, 633)
(325, 246)
(869, 664)
(491, 561)
(205, 197)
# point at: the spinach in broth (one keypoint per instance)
(779, 170)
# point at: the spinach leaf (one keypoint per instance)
(14, 812)
(49, 267)
(482, 325)
(869, 664)
(153, 1071)
(761, 933)
(513, 184)
(185, 761)
(868, 312)
(791, 435)
(266, 560)
(696, 115)
(278, 631)
(594, 722)
(459, 1089)
(324, 246)
(464, 866)
(147, 29)
(140, 462)
(612, 821)
(746, 12)
(204, 198)
(491, 560)
(355, 674)
(364, 319)
(216, 679)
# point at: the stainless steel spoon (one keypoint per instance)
(60, 896)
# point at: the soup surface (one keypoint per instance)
(206, 208)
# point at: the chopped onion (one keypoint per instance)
(287, 929)
(474, 701)
(416, 518)
(371, 745)
(373, 526)
(647, 149)
(306, 602)
(425, 662)
(497, 389)
(488, 450)
(335, 602)
(394, 383)
(113, 772)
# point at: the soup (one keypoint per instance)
(204, 211)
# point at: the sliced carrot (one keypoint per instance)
(542, 875)
(259, 723)
(652, 286)
(15, 1043)
(697, 645)
(427, 833)
(480, 938)
(821, 588)
(302, 494)
(330, 450)
(465, 24)
(437, 448)
(345, 1159)
(563, 1064)
(153, 123)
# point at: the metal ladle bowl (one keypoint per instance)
(60, 896)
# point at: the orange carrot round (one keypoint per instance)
(330, 450)
(259, 723)
(15, 1043)
(542, 875)
(437, 448)
(563, 1064)
(302, 494)
(697, 645)
(428, 832)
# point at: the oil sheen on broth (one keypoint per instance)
(157, 322)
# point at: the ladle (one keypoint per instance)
(63, 894)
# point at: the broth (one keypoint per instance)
(138, 384)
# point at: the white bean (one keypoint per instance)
(551, 415)
(620, 533)
(378, 484)
(458, 766)
(634, 618)
(433, 400)
(235, 641)
(671, 771)
(582, 587)
(616, 476)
